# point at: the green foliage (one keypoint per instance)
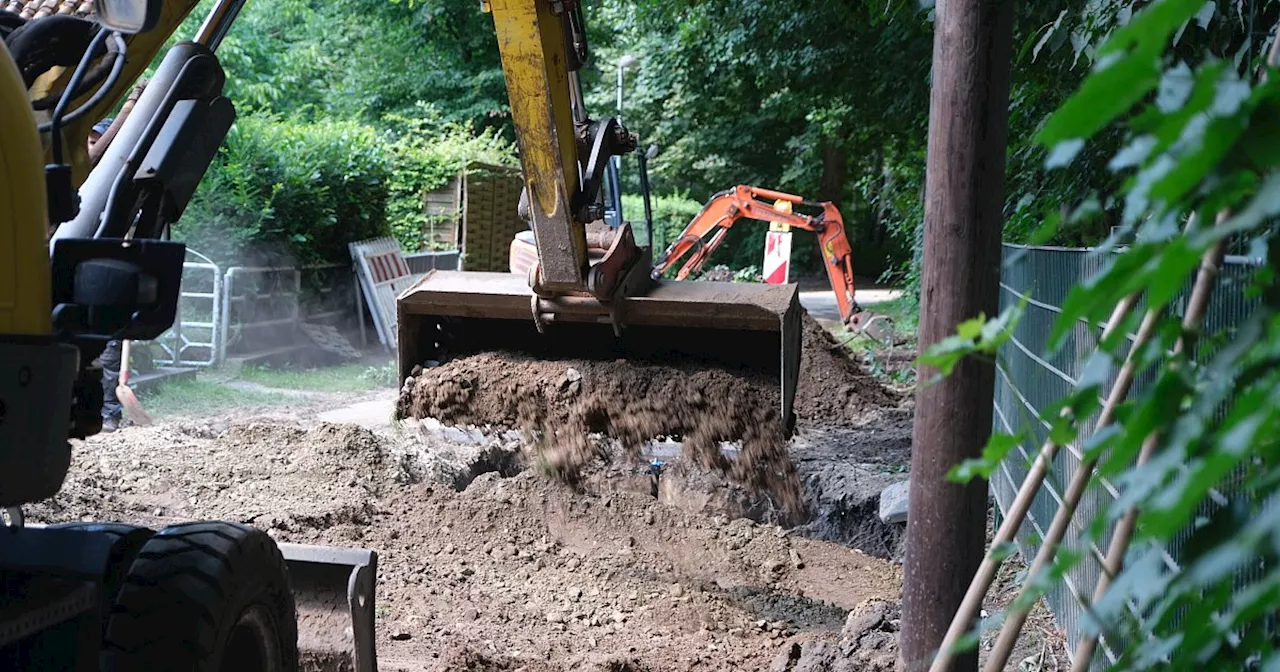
(671, 213)
(820, 99)
(203, 397)
(333, 142)
(353, 377)
(363, 59)
(283, 190)
(974, 337)
(426, 152)
(1185, 127)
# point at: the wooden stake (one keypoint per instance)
(1197, 305)
(1016, 616)
(986, 574)
(964, 198)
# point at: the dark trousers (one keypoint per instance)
(110, 360)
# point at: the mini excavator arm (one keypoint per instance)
(727, 207)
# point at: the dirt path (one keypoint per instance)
(488, 572)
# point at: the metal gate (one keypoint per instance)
(194, 338)
(384, 274)
(262, 307)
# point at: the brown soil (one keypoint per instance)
(509, 573)
(868, 642)
(485, 564)
(561, 403)
(265, 473)
(834, 390)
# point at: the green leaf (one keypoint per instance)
(1047, 229)
(1261, 141)
(1102, 97)
(998, 447)
(1063, 153)
(1127, 69)
(1134, 154)
(1205, 15)
(971, 329)
(946, 354)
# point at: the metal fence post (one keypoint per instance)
(228, 286)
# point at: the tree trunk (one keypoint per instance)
(968, 129)
(835, 162)
(882, 202)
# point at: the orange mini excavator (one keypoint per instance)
(727, 207)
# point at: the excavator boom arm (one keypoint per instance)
(563, 153)
(532, 39)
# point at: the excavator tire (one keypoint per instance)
(128, 541)
(204, 597)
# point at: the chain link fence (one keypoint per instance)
(1030, 378)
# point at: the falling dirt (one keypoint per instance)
(560, 404)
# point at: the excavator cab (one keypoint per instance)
(588, 290)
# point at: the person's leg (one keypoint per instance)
(112, 411)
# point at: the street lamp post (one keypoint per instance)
(624, 62)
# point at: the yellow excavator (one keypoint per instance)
(590, 292)
(85, 258)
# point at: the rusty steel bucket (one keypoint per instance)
(734, 325)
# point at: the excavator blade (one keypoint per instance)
(732, 325)
(333, 589)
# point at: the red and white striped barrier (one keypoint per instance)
(777, 254)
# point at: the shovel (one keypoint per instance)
(132, 407)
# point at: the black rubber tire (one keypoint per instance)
(204, 597)
(128, 542)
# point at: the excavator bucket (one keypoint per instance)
(333, 589)
(734, 325)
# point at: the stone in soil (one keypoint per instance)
(893, 502)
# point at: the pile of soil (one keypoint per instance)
(559, 404)
(834, 390)
(488, 572)
(523, 573)
(262, 473)
(333, 470)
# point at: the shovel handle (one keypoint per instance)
(124, 362)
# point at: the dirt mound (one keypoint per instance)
(559, 404)
(834, 390)
(522, 572)
(323, 476)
